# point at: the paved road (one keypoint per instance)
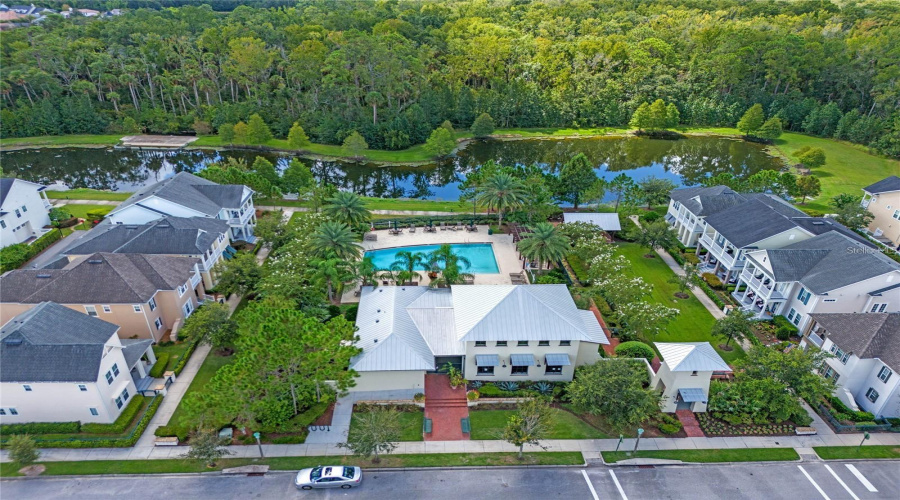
(696, 482)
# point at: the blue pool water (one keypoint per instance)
(481, 255)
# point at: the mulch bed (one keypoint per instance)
(325, 418)
(714, 427)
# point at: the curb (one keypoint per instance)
(681, 464)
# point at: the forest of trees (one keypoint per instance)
(395, 70)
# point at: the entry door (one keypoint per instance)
(441, 363)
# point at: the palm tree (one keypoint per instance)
(333, 272)
(501, 192)
(347, 207)
(335, 239)
(450, 265)
(405, 265)
(545, 243)
(365, 273)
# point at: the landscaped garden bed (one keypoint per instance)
(511, 389)
(410, 418)
(843, 419)
(715, 427)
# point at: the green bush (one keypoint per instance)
(692, 258)
(351, 312)
(866, 424)
(184, 358)
(677, 257)
(121, 424)
(782, 322)
(172, 431)
(550, 279)
(296, 439)
(895, 422)
(650, 217)
(692, 250)
(669, 428)
(635, 349)
(41, 428)
(711, 293)
(578, 266)
(162, 361)
(713, 280)
(783, 333)
(730, 288)
(14, 256)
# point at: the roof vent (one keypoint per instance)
(44, 276)
(131, 226)
(166, 225)
(377, 322)
(378, 310)
(95, 262)
(818, 223)
(403, 289)
(19, 341)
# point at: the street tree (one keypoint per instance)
(615, 389)
(528, 425)
(375, 432)
(211, 324)
(797, 369)
(207, 446)
(684, 281)
(735, 326)
(22, 450)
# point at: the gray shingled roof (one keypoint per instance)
(885, 185)
(101, 278)
(52, 343)
(759, 218)
(6, 184)
(821, 225)
(133, 349)
(166, 236)
(826, 262)
(190, 191)
(705, 201)
(867, 335)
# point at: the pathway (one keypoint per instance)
(446, 407)
(690, 424)
(821, 426)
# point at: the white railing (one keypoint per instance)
(815, 339)
(195, 279)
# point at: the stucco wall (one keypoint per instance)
(534, 372)
(390, 381)
(673, 381)
(884, 219)
(133, 324)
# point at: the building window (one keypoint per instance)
(522, 343)
(107, 309)
(181, 290)
(3, 224)
(138, 308)
(188, 308)
(2, 411)
(543, 343)
(565, 342)
(82, 387)
(119, 403)
(878, 308)
(109, 378)
(519, 370)
(791, 314)
(158, 323)
(25, 209)
(27, 388)
(552, 370)
(694, 373)
(501, 343)
(480, 343)
(13, 411)
(884, 374)
(125, 395)
(94, 411)
(872, 395)
(152, 304)
(839, 354)
(485, 370)
(91, 311)
(803, 296)
(115, 369)
(896, 214)
(18, 214)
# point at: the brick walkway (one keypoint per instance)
(445, 407)
(691, 426)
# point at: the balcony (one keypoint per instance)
(815, 339)
(195, 279)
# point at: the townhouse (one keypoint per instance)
(145, 295)
(60, 365)
(866, 350)
(828, 273)
(186, 195)
(882, 199)
(489, 332)
(24, 210)
(205, 239)
(689, 207)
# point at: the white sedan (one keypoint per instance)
(328, 476)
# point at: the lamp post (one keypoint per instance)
(639, 432)
(621, 438)
(257, 435)
(865, 437)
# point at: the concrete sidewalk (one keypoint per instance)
(590, 448)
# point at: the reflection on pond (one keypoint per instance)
(685, 161)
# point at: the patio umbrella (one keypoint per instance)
(430, 223)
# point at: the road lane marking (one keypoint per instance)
(590, 486)
(619, 486)
(842, 483)
(862, 478)
(813, 482)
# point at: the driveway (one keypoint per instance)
(52, 252)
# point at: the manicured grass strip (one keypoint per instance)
(845, 452)
(489, 424)
(210, 366)
(62, 140)
(88, 194)
(693, 323)
(81, 211)
(410, 424)
(95, 467)
(709, 456)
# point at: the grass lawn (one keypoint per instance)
(707, 456)
(848, 167)
(693, 323)
(62, 140)
(846, 452)
(88, 194)
(210, 365)
(489, 424)
(410, 424)
(175, 351)
(294, 463)
(81, 211)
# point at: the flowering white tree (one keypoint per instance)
(646, 319)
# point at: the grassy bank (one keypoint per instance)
(867, 451)
(710, 456)
(489, 424)
(382, 204)
(95, 467)
(410, 424)
(60, 141)
(88, 194)
(415, 154)
(693, 323)
(81, 211)
(210, 366)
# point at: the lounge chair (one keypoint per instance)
(443, 226)
(370, 237)
(412, 228)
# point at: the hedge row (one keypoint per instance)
(116, 443)
(37, 428)
(421, 220)
(161, 362)
(121, 424)
(14, 256)
(178, 431)
(711, 293)
(184, 358)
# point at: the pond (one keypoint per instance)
(685, 161)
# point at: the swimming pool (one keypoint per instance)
(481, 255)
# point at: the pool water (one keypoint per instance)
(481, 255)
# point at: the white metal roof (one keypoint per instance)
(691, 356)
(387, 334)
(605, 221)
(594, 330)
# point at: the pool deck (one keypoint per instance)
(504, 251)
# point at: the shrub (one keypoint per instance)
(178, 431)
(14, 256)
(545, 388)
(472, 396)
(651, 217)
(691, 258)
(677, 257)
(162, 361)
(184, 358)
(670, 428)
(350, 313)
(635, 349)
(783, 333)
(782, 322)
(577, 266)
(23, 450)
(41, 428)
(730, 288)
(113, 442)
(712, 280)
(711, 293)
(419, 397)
(121, 424)
(508, 386)
(296, 439)
(550, 279)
